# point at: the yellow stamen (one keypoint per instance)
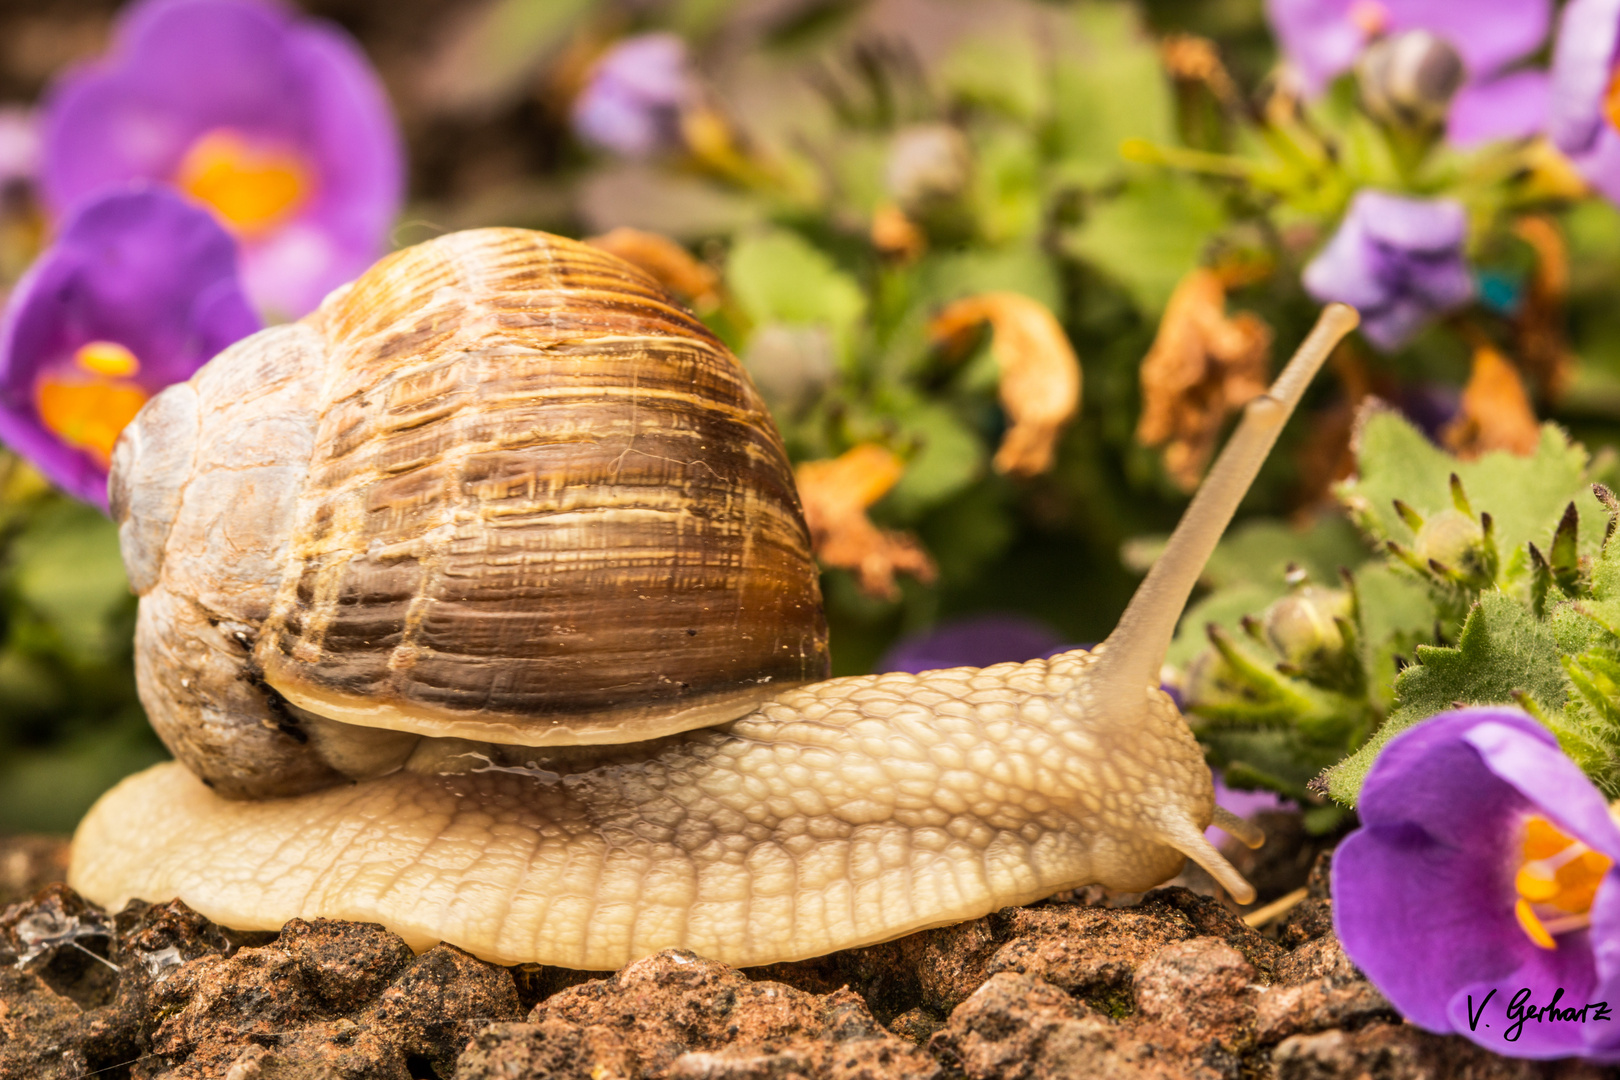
(1578, 881)
(1556, 882)
(1533, 886)
(1532, 925)
(89, 411)
(1542, 839)
(107, 358)
(252, 188)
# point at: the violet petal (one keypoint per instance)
(1583, 64)
(1545, 776)
(138, 266)
(1512, 106)
(975, 641)
(1322, 38)
(181, 69)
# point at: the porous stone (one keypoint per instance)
(1167, 985)
(676, 1014)
(160, 992)
(1312, 918)
(1403, 1052)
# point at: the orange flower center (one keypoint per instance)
(1556, 882)
(88, 405)
(252, 188)
(1611, 100)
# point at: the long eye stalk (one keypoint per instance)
(1129, 661)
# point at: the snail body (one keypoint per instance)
(349, 752)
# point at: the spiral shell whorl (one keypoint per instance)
(545, 506)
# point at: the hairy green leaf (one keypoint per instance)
(1503, 653)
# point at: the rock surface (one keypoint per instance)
(1173, 986)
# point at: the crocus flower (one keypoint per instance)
(1583, 119)
(975, 641)
(139, 290)
(1398, 260)
(633, 101)
(1323, 38)
(1486, 856)
(274, 121)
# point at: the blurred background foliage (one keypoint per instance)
(1025, 144)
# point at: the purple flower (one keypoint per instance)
(275, 121)
(1243, 804)
(975, 641)
(139, 290)
(1398, 260)
(1488, 856)
(1581, 121)
(633, 102)
(1323, 38)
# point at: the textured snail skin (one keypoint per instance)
(847, 812)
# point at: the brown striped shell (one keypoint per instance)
(504, 490)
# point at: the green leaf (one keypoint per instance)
(1020, 268)
(968, 531)
(1503, 652)
(1396, 615)
(1525, 496)
(48, 789)
(779, 276)
(1149, 235)
(1110, 89)
(1226, 609)
(1262, 550)
(949, 457)
(68, 569)
(1007, 185)
(1003, 71)
(860, 160)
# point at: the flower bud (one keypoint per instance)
(1211, 683)
(790, 365)
(1453, 538)
(1301, 625)
(928, 164)
(1408, 79)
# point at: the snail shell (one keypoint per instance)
(499, 489)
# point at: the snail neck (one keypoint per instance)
(1129, 660)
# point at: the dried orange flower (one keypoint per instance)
(1495, 413)
(668, 262)
(1040, 375)
(836, 493)
(1540, 324)
(895, 235)
(1195, 59)
(1326, 454)
(1202, 367)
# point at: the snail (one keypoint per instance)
(309, 523)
